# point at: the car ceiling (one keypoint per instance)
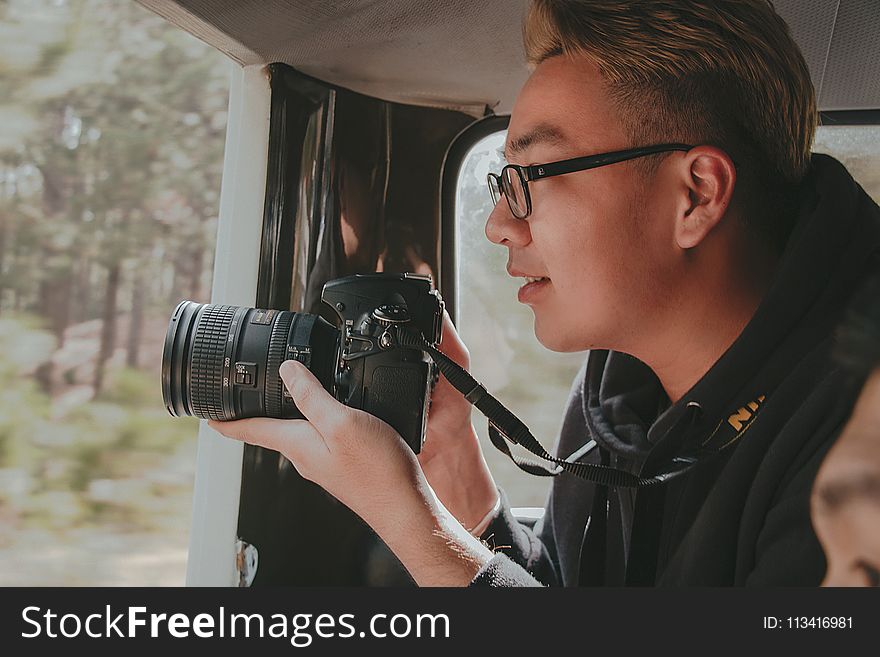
(467, 54)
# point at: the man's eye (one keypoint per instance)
(872, 574)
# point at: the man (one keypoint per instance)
(846, 495)
(705, 278)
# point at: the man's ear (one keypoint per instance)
(709, 178)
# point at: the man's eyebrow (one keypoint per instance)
(834, 494)
(542, 133)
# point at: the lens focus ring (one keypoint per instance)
(277, 353)
(207, 361)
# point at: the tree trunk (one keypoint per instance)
(136, 325)
(176, 294)
(161, 284)
(81, 290)
(108, 327)
(43, 377)
(55, 300)
(3, 222)
(197, 262)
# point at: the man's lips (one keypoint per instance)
(532, 290)
(533, 287)
(530, 278)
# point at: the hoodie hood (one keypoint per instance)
(836, 237)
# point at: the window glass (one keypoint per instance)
(858, 148)
(112, 127)
(532, 381)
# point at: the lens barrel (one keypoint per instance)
(221, 362)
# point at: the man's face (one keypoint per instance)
(846, 496)
(590, 233)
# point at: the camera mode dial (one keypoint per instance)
(390, 314)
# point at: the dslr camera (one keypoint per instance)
(221, 362)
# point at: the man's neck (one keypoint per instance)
(716, 298)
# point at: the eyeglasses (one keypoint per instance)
(513, 181)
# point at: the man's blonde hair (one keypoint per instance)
(722, 72)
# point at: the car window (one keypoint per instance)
(858, 148)
(112, 128)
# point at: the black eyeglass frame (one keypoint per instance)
(534, 172)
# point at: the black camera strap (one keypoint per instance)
(505, 427)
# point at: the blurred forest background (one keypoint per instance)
(112, 127)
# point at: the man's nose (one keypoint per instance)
(503, 228)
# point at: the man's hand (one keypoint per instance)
(365, 464)
(356, 457)
(451, 456)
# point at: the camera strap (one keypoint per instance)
(505, 427)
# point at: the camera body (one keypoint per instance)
(221, 362)
(392, 383)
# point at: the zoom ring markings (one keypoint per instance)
(207, 361)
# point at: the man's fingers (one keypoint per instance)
(296, 439)
(451, 344)
(322, 409)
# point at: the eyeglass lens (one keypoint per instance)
(515, 191)
(494, 191)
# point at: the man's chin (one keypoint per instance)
(553, 336)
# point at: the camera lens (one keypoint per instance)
(221, 362)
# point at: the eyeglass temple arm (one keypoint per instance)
(539, 171)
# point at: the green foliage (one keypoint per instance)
(134, 388)
(101, 462)
(23, 346)
(52, 54)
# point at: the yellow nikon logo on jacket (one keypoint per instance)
(742, 417)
